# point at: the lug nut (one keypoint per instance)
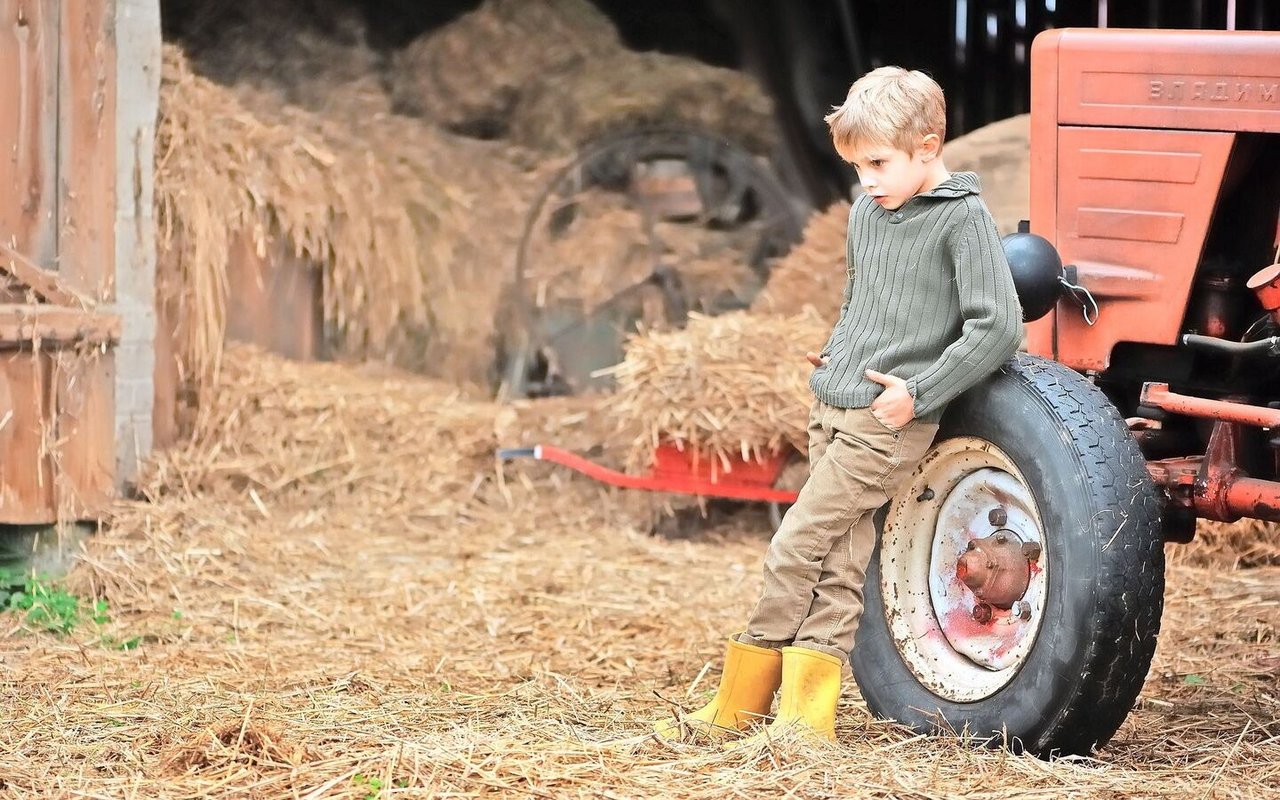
(1031, 551)
(982, 613)
(1001, 538)
(1022, 610)
(998, 517)
(970, 545)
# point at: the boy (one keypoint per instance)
(929, 310)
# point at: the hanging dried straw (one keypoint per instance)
(306, 64)
(731, 385)
(366, 218)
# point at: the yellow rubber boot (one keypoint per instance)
(751, 676)
(810, 691)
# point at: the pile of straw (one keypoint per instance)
(553, 74)
(440, 214)
(737, 384)
(344, 587)
(366, 221)
(732, 385)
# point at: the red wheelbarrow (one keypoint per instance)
(681, 471)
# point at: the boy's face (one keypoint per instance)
(892, 176)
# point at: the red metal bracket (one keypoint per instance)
(1213, 485)
(1157, 395)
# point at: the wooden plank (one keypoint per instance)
(84, 456)
(28, 127)
(45, 285)
(55, 325)
(26, 477)
(87, 147)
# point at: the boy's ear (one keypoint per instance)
(930, 146)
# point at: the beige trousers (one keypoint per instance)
(817, 561)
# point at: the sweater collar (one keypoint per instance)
(959, 184)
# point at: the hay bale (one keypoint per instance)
(366, 221)
(812, 275)
(735, 384)
(553, 74)
(310, 53)
(626, 90)
(468, 76)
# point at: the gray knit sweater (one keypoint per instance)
(928, 298)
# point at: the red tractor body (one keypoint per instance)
(1155, 173)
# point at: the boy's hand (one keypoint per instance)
(895, 406)
(815, 359)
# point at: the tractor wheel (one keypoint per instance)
(1036, 472)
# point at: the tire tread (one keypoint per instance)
(1130, 582)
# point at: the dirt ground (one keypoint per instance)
(340, 593)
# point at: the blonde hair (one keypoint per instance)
(889, 106)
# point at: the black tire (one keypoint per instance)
(1101, 515)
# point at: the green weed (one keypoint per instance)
(43, 605)
(46, 606)
(372, 785)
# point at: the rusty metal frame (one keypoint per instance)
(1214, 486)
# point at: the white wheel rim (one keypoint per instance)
(944, 505)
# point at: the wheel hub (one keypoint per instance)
(961, 554)
(997, 568)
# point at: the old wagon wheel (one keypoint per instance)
(1016, 589)
(638, 231)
